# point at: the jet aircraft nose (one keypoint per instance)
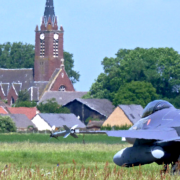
(118, 160)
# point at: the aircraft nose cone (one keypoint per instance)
(118, 160)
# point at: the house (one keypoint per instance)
(94, 125)
(62, 97)
(29, 112)
(45, 121)
(94, 108)
(124, 115)
(21, 121)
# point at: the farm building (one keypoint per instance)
(21, 121)
(62, 97)
(124, 114)
(94, 125)
(94, 108)
(47, 121)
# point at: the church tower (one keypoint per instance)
(49, 50)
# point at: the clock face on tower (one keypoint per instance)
(42, 36)
(56, 36)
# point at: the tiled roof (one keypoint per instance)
(20, 120)
(59, 120)
(3, 110)
(3, 104)
(29, 112)
(61, 97)
(92, 124)
(133, 112)
(102, 106)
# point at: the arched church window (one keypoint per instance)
(12, 101)
(62, 88)
(56, 45)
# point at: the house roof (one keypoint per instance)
(3, 104)
(3, 110)
(59, 120)
(133, 112)
(62, 98)
(97, 124)
(29, 112)
(20, 120)
(102, 106)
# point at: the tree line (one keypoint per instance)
(139, 76)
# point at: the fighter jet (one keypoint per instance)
(155, 137)
(65, 133)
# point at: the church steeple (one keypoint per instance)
(49, 12)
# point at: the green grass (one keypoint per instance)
(44, 138)
(37, 158)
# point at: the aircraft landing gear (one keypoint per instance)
(175, 167)
(165, 169)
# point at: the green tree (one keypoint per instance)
(26, 104)
(23, 96)
(69, 65)
(51, 106)
(6, 124)
(19, 55)
(24, 100)
(16, 55)
(158, 66)
(135, 92)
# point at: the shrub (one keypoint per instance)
(109, 127)
(6, 124)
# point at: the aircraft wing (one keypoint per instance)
(145, 134)
(66, 128)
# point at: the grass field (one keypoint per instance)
(44, 138)
(40, 159)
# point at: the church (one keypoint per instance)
(48, 73)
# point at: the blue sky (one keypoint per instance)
(95, 29)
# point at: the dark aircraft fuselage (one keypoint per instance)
(155, 137)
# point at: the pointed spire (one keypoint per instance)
(49, 25)
(43, 25)
(49, 12)
(61, 28)
(55, 24)
(37, 29)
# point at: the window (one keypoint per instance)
(55, 48)
(62, 88)
(12, 101)
(42, 48)
(154, 106)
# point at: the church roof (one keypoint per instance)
(49, 12)
(20, 78)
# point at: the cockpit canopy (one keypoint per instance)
(155, 106)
